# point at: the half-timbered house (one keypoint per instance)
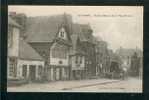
(50, 36)
(77, 58)
(87, 45)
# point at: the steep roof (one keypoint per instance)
(12, 22)
(76, 48)
(27, 52)
(84, 32)
(44, 28)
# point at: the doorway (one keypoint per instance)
(32, 72)
(24, 71)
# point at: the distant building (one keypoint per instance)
(23, 61)
(126, 56)
(135, 69)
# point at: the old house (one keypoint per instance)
(30, 63)
(87, 45)
(13, 47)
(102, 58)
(50, 36)
(23, 61)
(77, 58)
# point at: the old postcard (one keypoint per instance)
(75, 49)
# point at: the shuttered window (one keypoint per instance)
(12, 65)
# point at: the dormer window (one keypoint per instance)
(62, 33)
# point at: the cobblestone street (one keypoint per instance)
(93, 85)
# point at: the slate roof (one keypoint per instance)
(12, 22)
(84, 32)
(27, 52)
(76, 49)
(44, 28)
(74, 38)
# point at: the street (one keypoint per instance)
(92, 85)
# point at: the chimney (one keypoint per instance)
(12, 15)
(20, 18)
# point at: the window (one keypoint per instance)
(10, 36)
(60, 62)
(62, 33)
(80, 59)
(12, 67)
(76, 59)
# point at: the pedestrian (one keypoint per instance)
(124, 72)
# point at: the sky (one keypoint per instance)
(120, 26)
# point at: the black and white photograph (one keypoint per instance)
(75, 49)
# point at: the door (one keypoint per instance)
(24, 71)
(57, 74)
(32, 72)
(52, 74)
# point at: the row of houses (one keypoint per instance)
(54, 48)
